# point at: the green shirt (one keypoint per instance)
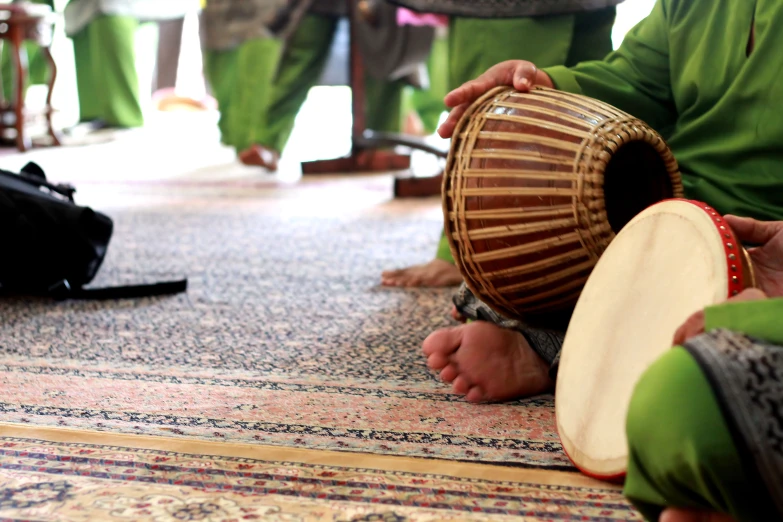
(684, 70)
(760, 319)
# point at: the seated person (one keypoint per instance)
(704, 424)
(702, 73)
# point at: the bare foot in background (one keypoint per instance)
(260, 156)
(436, 273)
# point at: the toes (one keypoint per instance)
(445, 341)
(437, 361)
(391, 277)
(475, 394)
(461, 385)
(412, 280)
(449, 373)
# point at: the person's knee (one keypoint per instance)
(671, 412)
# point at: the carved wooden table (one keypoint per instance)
(20, 23)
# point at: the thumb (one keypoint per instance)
(749, 230)
(524, 76)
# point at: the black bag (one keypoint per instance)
(49, 246)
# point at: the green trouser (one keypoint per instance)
(300, 68)
(475, 45)
(242, 80)
(428, 103)
(37, 66)
(106, 77)
(681, 452)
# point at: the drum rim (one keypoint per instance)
(593, 242)
(736, 283)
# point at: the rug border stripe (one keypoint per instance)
(306, 456)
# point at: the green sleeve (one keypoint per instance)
(635, 78)
(762, 319)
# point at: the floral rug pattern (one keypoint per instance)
(61, 481)
(284, 338)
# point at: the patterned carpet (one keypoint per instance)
(285, 385)
(56, 481)
(283, 338)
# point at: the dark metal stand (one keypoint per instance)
(370, 150)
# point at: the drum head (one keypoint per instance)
(667, 263)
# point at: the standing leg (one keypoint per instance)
(257, 65)
(384, 104)
(301, 65)
(88, 93)
(220, 68)
(114, 76)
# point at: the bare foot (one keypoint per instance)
(259, 156)
(435, 273)
(487, 363)
(680, 515)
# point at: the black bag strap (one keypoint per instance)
(63, 291)
(33, 174)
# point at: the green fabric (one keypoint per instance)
(300, 68)
(242, 79)
(681, 452)
(760, 319)
(444, 250)
(684, 70)
(256, 67)
(220, 68)
(106, 78)
(477, 44)
(37, 66)
(301, 65)
(428, 103)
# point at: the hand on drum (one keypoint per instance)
(519, 74)
(767, 264)
(767, 258)
(695, 324)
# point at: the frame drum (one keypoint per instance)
(673, 259)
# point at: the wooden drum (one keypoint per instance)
(536, 186)
(670, 261)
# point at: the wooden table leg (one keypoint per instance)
(49, 110)
(17, 39)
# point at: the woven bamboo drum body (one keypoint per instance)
(536, 187)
